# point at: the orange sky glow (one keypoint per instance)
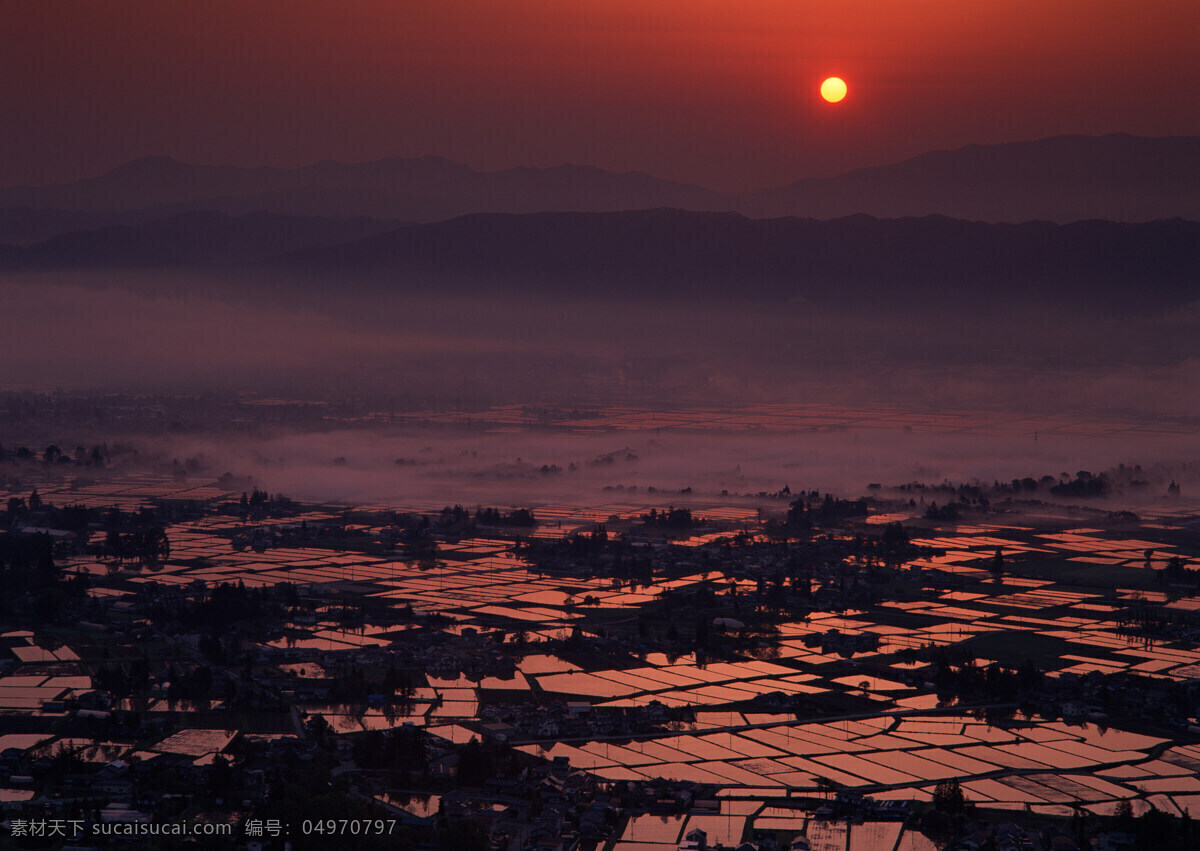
(709, 91)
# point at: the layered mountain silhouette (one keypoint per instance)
(1079, 220)
(1061, 179)
(193, 239)
(677, 252)
(670, 253)
(423, 189)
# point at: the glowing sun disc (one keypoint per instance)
(833, 89)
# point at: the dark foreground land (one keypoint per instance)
(914, 666)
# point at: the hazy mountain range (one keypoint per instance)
(1061, 179)
(1127, 266)
(1102, 220)
(197, 238)
(678, 252)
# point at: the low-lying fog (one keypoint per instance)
(182, 336)
(147, 333)
(475, 467)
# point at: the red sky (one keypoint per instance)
(718, 92)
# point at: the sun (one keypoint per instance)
(833, 89)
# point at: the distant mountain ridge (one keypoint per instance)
(925, 235)
(421, 189)
(1060, 179)
(193, 239)
(673, 252)
(932, 260)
